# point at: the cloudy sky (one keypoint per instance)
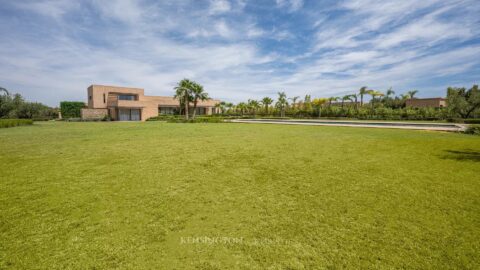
(238, 49)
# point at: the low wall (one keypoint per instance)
(94, 114)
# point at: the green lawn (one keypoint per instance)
(146, 195)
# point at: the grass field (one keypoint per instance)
(237, 196)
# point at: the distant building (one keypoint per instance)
(131, 104)
(426, 102)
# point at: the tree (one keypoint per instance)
(294, 100)
(307, 103)
(266, 101)
(363, 91)
(5, 91)
(463, 102)
(69, 109)
(183, 92)
(220, 107)
(318, 103)
(254, 105)
(330, 99)
(346, 97)
(198, 94)
(229, 106)
(374, 94)
(242, 106)
(412, 93)
(389, 92)
(282, 103)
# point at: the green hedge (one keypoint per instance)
(181, 119)
(6, 123)
(473, 129)
(71, 109)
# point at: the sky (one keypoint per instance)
(52, 50)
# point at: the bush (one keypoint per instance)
(473, 129)
(71, 109)
(6, 123)
(181, 119)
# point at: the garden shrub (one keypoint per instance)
(71, 109)
(473, 129)
(6, 123)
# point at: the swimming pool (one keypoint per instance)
(378, 124)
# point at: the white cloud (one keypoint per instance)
(219, 6)
(292, 5)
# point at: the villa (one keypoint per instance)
(131, 104)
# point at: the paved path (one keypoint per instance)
(350, 123)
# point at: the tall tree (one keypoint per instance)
(242, 106)
(363, 91)
(389, 92)
(307, 103)
(330, 99)
(374, 94)
(183, 92)
(198, 94)
(463, 102)
(346, 97)
(282, 103)
(294, 101)
(4, 90)
(253, 105)
(318, 103)
(266, 101)
(412, 93)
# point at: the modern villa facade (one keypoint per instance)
(131, 104)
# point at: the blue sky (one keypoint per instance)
(238, 49)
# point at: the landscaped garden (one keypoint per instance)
(237, 196)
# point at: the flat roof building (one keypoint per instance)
(131, 104)
(426, 102)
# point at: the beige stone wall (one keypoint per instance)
(426, 102)
(93, 114)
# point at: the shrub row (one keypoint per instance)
(6, 123)
(181, 119)
(473, 129)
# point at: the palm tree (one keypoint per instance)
(266, 101)
(198, 94)
(219, 107)
(412, 93)
(294, 100)
(229, 106)
(374, 94)
(183, 92)
(254, 105)
(346, 97)
(363, 91)
(406, 96)
(330, 99)
(389, 92)
(4, 90)
(318, 102)
(355, 97)
(242, 106)
(282, 103)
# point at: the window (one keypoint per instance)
(166, 110)
(104, 99)
(90, 97)
(126, 97)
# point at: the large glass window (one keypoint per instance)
(129, 114)
(166, 110)
(126, 97)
